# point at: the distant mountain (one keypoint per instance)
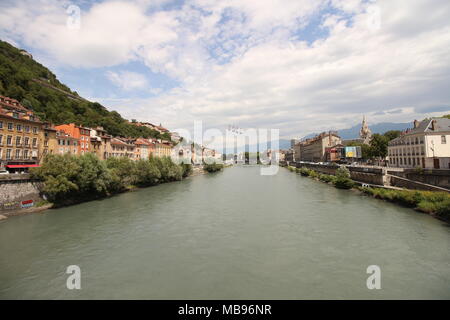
(353, 132)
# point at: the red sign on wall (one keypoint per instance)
(27, 203)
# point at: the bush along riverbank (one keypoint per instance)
(434, 203)
(212, 167)
(71, 179)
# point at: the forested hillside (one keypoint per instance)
(37, 88)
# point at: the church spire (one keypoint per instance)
(365, 134)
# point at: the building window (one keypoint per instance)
(19, 127)
(27, 129)
(1, 124)
(17, 153)
(34, 142)
(18, 141)
(27, 141)
(25, 154)
(10, 126)
(1, 139)
(9, 140)
(35, 130)
(8, 154)
(443, 139)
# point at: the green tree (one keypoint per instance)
(343, 180)
(93, 179)
(123, 171)
(213, 167)
(58, 174)
(147, 173)
(186, 169)
(392, 134)
(378, 145)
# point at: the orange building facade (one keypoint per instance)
(82, 134)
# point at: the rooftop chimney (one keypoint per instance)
(416, 124)
(433, 125)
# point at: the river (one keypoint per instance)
(230, 235)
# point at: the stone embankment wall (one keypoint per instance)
(365, 175)
(18, 192)
(440, 178)
(430, 180)
(415, 185)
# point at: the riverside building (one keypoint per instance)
(19, 136)
(426, 145)
(313, 149)
(78, 132)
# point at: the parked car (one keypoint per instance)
(4, 172)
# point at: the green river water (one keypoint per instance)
(231, 235)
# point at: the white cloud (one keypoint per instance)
(241, 61)
(127, 80)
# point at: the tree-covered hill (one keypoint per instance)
(37, 88)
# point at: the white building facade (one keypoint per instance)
(427, 145)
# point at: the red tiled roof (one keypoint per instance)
(12, 103)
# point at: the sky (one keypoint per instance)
(299, 66)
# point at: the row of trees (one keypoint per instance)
(16, 81)
(69, 179)
(212, 167)
(341, 180)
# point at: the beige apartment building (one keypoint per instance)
(122, 148)
(426, 145)
(142, 150)
(66, 143)
(47, 141)
(313, 149)
(100, 143)
(19, 135)
(162, 148)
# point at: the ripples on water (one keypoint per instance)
(234, 234)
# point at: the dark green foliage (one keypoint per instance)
(147, 173)
(343, 180)
(213, 167)
(392, 134)
(437, 203)
(17, 73)
(186, 169)
(378, 144)
(69, 179)
(327, 178)
(123, 172)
